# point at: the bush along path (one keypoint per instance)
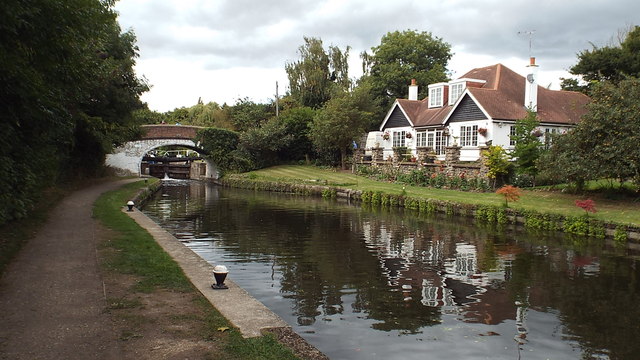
(487, 208)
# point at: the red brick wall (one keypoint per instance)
(169, 132)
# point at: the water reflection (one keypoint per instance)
(364, 283)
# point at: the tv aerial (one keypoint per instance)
(530, 34)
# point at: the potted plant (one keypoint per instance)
(537, 132)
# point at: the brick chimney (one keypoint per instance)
(531, 86)
(413, 90)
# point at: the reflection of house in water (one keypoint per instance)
(447, 272)
(463, 275)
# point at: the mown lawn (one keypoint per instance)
(617, 211)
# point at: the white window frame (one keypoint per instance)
(436, 95)
(421, 138)
(512, 134)
(399, 138)
(437, 141)
(455, 91)
(469, 135)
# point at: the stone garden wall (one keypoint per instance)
(425, 159)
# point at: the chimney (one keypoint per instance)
(531, 86)
(413, 90)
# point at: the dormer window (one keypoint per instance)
(455, 90)
(436, 95)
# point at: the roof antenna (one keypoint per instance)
(530, 33)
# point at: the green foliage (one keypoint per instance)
(609, 63)
(342, 120)
(497, 161)
(297, 122)
(318, 74)
(402, 56)
(605, 143)
(247, 114)
(620, 236)
(584, 226)
(542, 221)
(528, 147)
(221, 147)
(144, 116)
(67, 90)
(329, 193)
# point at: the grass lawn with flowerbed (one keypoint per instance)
(626, 211)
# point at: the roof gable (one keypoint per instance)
(397, 119)
(466, 110)
(502, 97)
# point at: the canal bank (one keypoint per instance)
(250, 316)
(60, 299)
(362, 282)
(545, 220)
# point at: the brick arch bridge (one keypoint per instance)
(127, 159)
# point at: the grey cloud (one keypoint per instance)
(489, 27)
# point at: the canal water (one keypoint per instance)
(363, 283)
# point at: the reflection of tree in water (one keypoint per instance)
(405, 272)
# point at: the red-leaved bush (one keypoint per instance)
(587, 205)
(510, 193)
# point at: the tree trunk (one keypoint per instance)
(343, 158)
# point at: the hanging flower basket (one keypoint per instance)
(482, 131)
(537, 132)
(408, 135)
(386, 136)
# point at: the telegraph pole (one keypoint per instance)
(277, 109)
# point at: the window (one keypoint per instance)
(548, 137)
(512, 135)
(435, 96)
(421, 139)
(398, 138)
(437, 141)
(469, 135)
(455, 90)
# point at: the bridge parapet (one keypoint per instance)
(169, 132)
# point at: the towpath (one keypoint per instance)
(52, 298)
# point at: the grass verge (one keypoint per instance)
(136, 253)
(614, 211)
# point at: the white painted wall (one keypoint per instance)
(127, 158)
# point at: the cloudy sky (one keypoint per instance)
(222, 50)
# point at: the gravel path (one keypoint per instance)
(52, 297)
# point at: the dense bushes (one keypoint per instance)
(67, 90)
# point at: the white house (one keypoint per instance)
(479, 107)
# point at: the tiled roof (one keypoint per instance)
(502, 97)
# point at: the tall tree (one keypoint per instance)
(340, 122)
(67, 89)
(528, 146)
(612, 62)
(318, 74)
(247, 114)
(605, 143)
(402, 56)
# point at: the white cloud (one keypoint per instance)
(225, 49)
